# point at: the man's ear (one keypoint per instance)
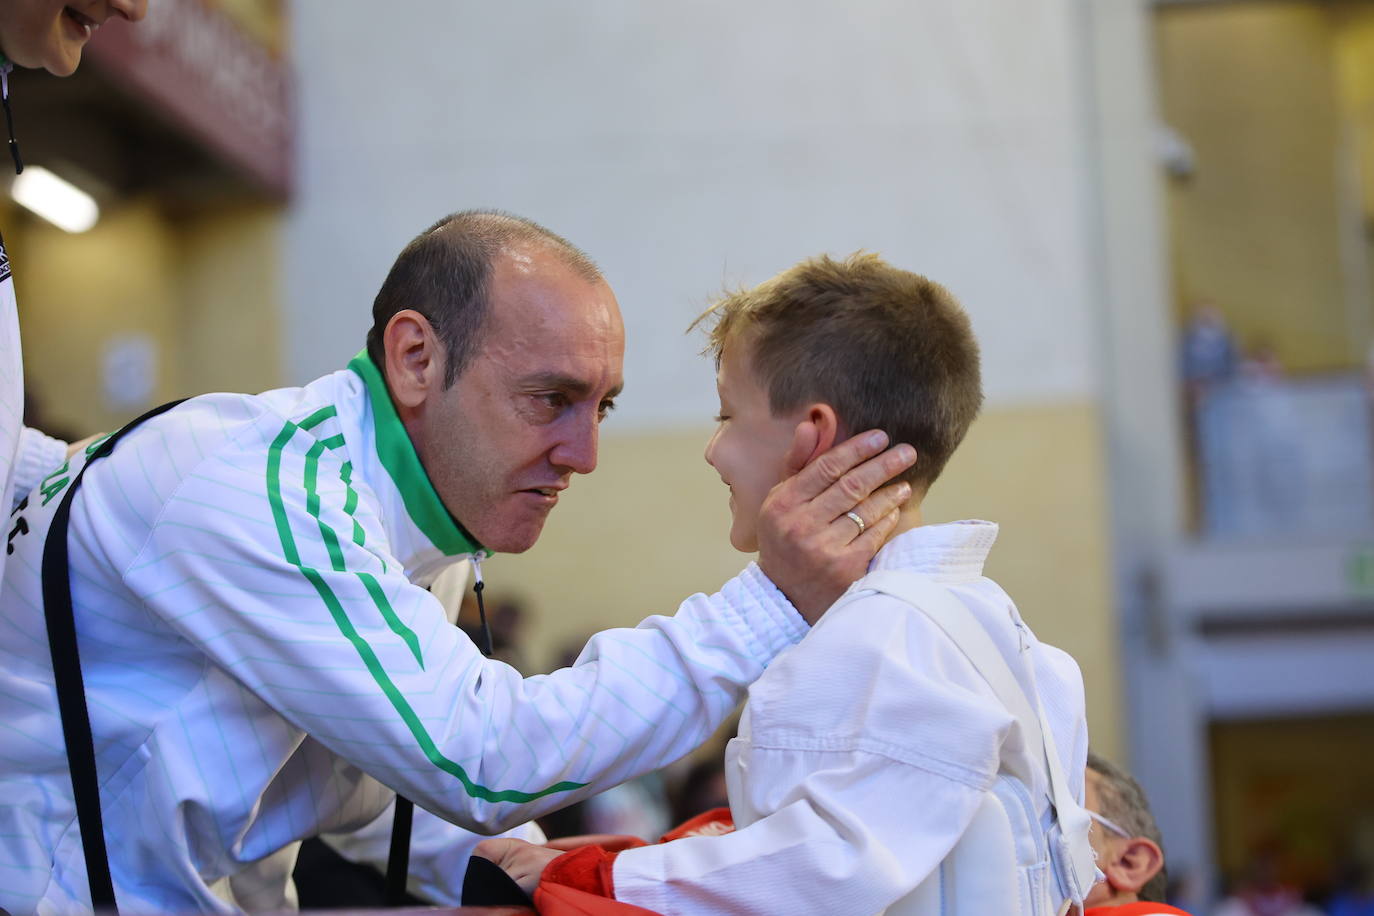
(1132, 864)
(817, 432)
(414, 359)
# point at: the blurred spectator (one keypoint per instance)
(1261, 364)
(1260, 892)
(701, 789)
(1209, 351)
(1354, 894)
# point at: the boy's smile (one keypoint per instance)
(749, 448)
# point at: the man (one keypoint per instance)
(1130, 850)
(48, 34)
(262, 661)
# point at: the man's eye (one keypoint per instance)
(721, 418)
(554, 399)
(604, 409)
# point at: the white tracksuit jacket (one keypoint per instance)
(25, 454)
(263, 664)
(865, 751)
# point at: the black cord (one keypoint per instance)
(398, 859)
(9, 125)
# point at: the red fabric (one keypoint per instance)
(587, 868)
(710, 823)
(580, 882)
(1134, 909)
(558, 900)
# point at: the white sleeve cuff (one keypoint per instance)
(38, 456)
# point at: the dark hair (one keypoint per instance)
(444, 274)
(887, 348)
(1124, 803)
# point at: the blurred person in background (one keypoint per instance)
(1130, 850)
(1261, 891)
(49, 34)
(1354, 895)
(262, 660)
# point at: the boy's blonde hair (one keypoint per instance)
(887, 348)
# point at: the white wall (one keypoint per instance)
(687, 146)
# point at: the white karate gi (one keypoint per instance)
(864, 752)
(262, 663)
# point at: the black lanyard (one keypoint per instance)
(76, 720)
(71, 688)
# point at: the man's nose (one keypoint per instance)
(132, 10)
(577, 449)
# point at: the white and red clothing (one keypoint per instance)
(864, 753)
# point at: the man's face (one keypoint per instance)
(749, 448)
(506, 438)
(1103, 840)
(51, 33)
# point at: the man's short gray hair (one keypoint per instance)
(1123, 802)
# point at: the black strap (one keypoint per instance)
(398, 858)
(71, 689)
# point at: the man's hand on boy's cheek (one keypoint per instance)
(808, 545)
(524, 862)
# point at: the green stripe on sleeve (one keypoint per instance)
(350, 632)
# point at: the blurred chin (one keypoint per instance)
(62, 60)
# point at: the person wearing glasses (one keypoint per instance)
(1129, 847)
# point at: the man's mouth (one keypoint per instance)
(547, 494)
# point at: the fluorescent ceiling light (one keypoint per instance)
(55, 199)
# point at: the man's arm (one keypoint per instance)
(303, 606)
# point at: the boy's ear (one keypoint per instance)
(818, 431)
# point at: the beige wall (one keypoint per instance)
(649, 528)
(1253, 87)
(204, 290)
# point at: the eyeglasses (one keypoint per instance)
(1110, 824)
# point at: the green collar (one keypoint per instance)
(398, 456)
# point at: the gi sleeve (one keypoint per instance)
(868, 750)
(297, 598)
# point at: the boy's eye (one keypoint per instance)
(721, 418)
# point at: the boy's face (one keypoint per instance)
(749, 448)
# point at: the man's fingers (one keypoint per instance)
(822, 473)
(889, 499)
(876, 534)
(498, 849)
(855, 486)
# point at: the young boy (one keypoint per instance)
(875, 766)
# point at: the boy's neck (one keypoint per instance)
(909, 518)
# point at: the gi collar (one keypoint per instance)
(402, 464)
